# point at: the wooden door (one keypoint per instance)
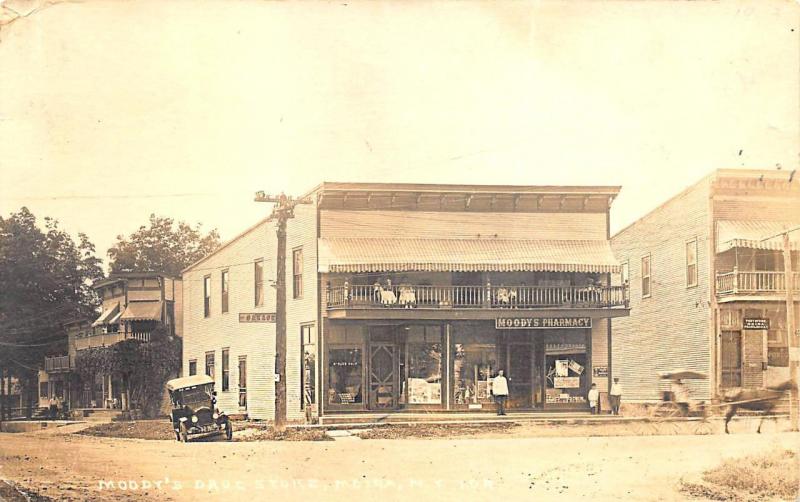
(383, 376)
(520, 375)
(731, 354)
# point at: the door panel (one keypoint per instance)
(520, 373)
(731, 354)
(383, 376)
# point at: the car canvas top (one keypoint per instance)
(189, 381)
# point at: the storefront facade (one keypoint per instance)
(449, 365)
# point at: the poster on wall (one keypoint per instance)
(577, 368)
(562, 367)
(567, 382)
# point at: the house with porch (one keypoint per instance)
(409, 298)
(136, 306)
(708, 273)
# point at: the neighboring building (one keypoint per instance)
(134, 305)
(707, 285)
(411, 297)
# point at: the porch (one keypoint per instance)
(754, 283)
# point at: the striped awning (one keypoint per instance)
(142, 311)
(756, 235)
(109, 316)
(354, 255)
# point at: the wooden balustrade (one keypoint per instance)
(494, 297)
(58, 363)
(749, 282)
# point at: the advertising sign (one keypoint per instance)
(752, 323)
(567, 382)
(542, 322)
(257, 317)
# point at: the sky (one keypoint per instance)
(110, 111)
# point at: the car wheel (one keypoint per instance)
(228, 430)
(184, 434)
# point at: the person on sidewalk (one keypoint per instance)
(615, 396)
(500, 391)
(52, 408)
(594, 398)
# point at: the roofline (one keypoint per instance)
(712, 176)
(227, 243)
(124, 276)
(609, 190)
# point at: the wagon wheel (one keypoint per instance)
(666, 409)
(704, 427)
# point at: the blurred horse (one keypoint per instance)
(763, 400)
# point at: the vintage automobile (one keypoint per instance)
(194, 408)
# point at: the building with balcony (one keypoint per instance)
(708, 285)
(411, 297)
(134, 306)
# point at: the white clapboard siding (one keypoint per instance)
(670, 329)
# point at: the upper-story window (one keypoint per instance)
(225, 285)
(206, 296)
(691, 263)
(646, 276)
(258, 280)
(297, 273)
(210, 364)
(192, 367)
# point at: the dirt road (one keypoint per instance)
(72, 467)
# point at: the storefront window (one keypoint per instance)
(474, 366)
(344, 376)
(566, 376)
(424, 373)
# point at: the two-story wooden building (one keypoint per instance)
(134, 305)
(411, 297)
(708, 285)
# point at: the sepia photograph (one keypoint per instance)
(420, 250)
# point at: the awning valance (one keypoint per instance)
(109, 316)
(756, 235)
(142, 311)
(351, 255)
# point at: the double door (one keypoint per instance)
(520, 370)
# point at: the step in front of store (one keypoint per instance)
(450, 417)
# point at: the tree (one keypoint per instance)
(162, 247)
(45, 280)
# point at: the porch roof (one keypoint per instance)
(353, 255)
(756, 234)
(108, 315)
(142, 311)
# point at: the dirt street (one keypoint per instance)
(73, 467)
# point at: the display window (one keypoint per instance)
(474, 366)
(424, 382)
(345, 376)
(566, 378)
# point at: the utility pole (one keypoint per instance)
(282, 211)
(791, 331)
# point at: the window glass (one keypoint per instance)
(309, 356)
(226, 369)
(474, 366)
(344, 376)
(297, 273)
(192, 367)
(243, 382)
(210, 364)
(424, 373)
(207, 295)
(225, 286)
(646, 275)
(691, 263)
(258, 278)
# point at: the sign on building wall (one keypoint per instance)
(751, 323)
(600, 371)
(257, 317)
(567, 382)
(542, 322)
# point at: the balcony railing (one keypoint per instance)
(58, 363)
(739, 283)
(106, 339)
(362, 296)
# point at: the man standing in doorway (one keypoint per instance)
(500, 391)
(615, 396)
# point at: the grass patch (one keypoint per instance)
(752, 478)
(254, 432)
(140, 429)
(162, 429)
